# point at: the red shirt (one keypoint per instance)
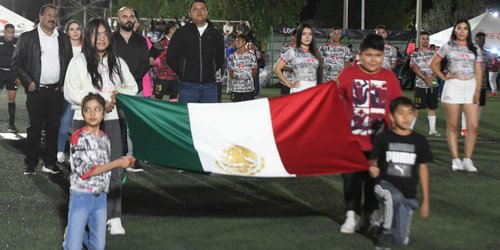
(368, 97)
(163, 71)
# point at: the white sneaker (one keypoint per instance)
(468, 166)
(456, 165)
(434, 132)
(351, 223)
(115, 226)
(377, 217)
(60, 157)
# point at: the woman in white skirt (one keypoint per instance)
(461, 90)
(304, 59)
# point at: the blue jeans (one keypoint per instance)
(398, 211)
(64, 125)
(193, 92)
(86, 209)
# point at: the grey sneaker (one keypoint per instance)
(29, 170)
(53, 169)
(468, 166)
(434, 132)
(456, 165)
(12, 128)
(384, 242)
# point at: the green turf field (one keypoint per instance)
(165, 209)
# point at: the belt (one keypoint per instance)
(49, 86)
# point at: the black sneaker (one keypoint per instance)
(29, 170)
(12, 128)
(53, 169)
(137, 168)
(384, 242)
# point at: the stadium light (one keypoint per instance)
(494, 50)
(495, 14)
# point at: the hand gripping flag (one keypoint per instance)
(302, 134)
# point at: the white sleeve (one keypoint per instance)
(74, 83)
(129, 85)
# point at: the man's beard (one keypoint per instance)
(127, 26)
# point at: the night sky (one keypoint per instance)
(308, 10)
(29, 8)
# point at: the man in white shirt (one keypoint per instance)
(40, 61)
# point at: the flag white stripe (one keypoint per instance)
(236, 139)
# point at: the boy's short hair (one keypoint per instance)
(9, 26)
(244, 37)
(372, 41)
(423, 33)
(92, 96)
(480, 34)
(400, 101)
(381, 26)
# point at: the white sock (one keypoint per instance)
(432, 122)
(413, 123)
(464, 122)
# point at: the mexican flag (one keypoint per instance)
(302, 134)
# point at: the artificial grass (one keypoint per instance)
(165, 209)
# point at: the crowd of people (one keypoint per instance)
(71, 79)
(398, 156)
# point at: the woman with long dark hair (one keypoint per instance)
(99, 70)
(74, 30)
(304, 59)
(461, 90)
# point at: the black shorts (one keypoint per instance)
(8, 80)
(482, 97)
(426, 98)
(239, 97)
(166, 87)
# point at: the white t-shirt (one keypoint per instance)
(461, 61)
(49, 45)
(202, 29)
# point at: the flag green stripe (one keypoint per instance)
(161, 132)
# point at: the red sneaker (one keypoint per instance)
(463, 132)
(493, 94)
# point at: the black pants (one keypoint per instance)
(354, 185)
(240, 97)
(44, 110)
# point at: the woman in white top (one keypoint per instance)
(99, 70)
(305, 60)
(74, 30)
(461, 90)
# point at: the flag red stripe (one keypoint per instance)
(312, 133)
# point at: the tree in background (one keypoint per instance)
(444, 13)
(261, 14)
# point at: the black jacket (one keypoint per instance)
(196, 58)
(135, 53)
(26, 60)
